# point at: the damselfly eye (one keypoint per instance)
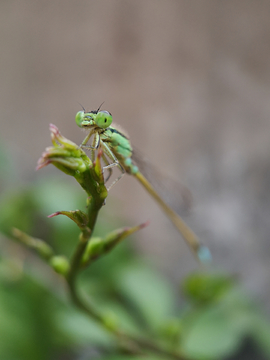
(103, 119)
(79, 118)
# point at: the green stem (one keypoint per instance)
(130, 341)
(78, 302)
(134, 345)
(98, 192)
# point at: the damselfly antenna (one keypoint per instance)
(83, 107)
(100, 106)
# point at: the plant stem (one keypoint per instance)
(98, 192)
(134, 345)
(130, 341)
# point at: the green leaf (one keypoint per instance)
(150, 293)
(79, 217)
(26, 321)
(206, 287)
(211, 335)
(130, 357)
(121, 316)
(261, 334)
(81, 329)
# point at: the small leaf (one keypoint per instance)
(97, 246)
(78, 216)
(40, 246)
(58, 138)
(98, 168)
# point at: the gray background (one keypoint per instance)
(188, 80)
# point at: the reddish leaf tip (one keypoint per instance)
(41, 164)
(53, 128)
(54, 214)
(143, 225)
(100, 152)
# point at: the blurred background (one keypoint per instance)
(190, 83)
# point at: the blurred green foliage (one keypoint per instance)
(38, 322)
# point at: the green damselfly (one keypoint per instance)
(117, 151)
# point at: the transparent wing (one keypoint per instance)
(176, 195)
